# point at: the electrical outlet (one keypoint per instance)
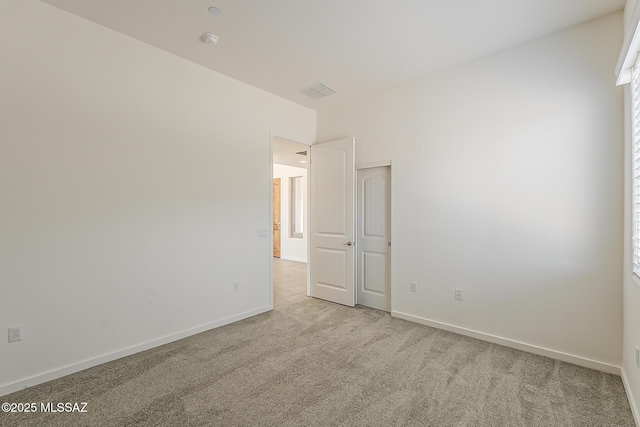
(459, 294)
(638, 357)
(236, 286)
(413, 287)
(15, 334)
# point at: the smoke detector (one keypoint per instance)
(210, 38)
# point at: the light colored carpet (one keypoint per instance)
(314, 363)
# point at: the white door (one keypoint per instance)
(374, 239)
(332, 257)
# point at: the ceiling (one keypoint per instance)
(357, 47)
(286, 153)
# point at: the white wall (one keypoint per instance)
(120, 227)
(507, 184)
(294, 249)
(631, 290)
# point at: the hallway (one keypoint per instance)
(289, 282)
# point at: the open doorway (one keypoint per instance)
(330, 264)
(290, 221)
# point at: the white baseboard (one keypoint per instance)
(632, 401)
(290, 258)
(77, 367)
(558, 355)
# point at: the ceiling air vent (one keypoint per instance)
(302, 153)
(318, 90)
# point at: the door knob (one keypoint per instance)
(348, 243)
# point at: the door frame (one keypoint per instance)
(299, 141)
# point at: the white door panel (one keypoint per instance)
(374, 236)
(332, 221)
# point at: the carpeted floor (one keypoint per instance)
(314, 363)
